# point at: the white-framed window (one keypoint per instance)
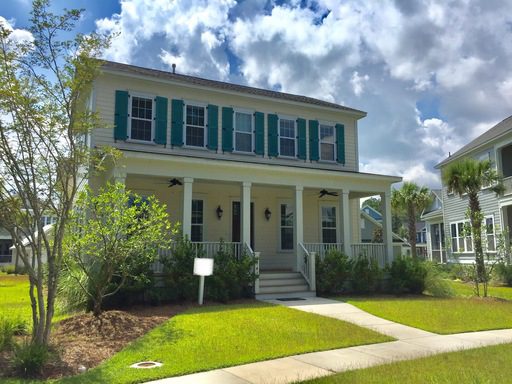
(286, 227)
(243, 131)
(141, 124)
(47, 220)
(195, 125)
(287, 137)
(327, 142)
(328, 224)
(462, 241)
(197, 222)
(490, 235)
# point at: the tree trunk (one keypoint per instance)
(475, 217)
(411, 213)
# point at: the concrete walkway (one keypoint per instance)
(411, 343)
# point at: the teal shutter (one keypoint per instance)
(177, 123)
(273, 136)
(161, 120)
(301, 128)
(121, 116)
(259, 133)
(313, 140)
(340, 143)
(227, 129)
(213, 127)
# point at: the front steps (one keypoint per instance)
(280, 284)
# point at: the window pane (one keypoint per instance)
(287, 238)
(286, 216)
(327, 151)
(329, 217)
(287, 147)
(141, 129)
(491, 247)
(142, 108)
(196, 233)
(329, 235)
(287, 128)
(243, 122)
(454, 230)
(195, 136)
(489, 226)
(195, 115)
(327, 133)
(197, 211)
(243, 142)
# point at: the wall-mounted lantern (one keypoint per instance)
(219, 212)
(268, 214)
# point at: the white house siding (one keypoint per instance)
(104, 97)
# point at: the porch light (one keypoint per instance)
(219, 212)
(267, 214)
(202, 267)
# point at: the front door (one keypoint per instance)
(236, 223)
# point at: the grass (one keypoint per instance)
(213, 337)
(467, 290)
(483, 365)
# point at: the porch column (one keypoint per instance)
(387, 228)
(345, 219)
(245, 208)
(299, 222)
(186, 224)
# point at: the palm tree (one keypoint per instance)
(411, 199)
(469, 176)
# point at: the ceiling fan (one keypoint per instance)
(172, 182)
(325, 192)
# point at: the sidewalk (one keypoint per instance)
(411, 344)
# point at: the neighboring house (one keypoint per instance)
(372, 220)
(272, 173)
(494, 145)
(434, 225)
(5, 247)
(421, 239)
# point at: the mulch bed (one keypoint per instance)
(86, 340)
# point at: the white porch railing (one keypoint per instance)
(5, 259)
(375, 251)
(256, 257)
(322, 248)
(307, 266)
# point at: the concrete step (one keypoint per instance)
(280, 282)
(284, 288)
(279, 275)
(273, 296)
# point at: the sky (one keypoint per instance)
(431, 74)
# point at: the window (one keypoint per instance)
(329, 224)
(286, 227)
(287, 137)
(490, 235)
(141, 121)
(327, 143)
(196, 233)
(195, 135)
(47, 220)
(243, 132)
(461, 242)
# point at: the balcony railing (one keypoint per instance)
(322, 248)
(376, 251)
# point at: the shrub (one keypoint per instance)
(332, 272)
(70, 294)
(407, 275)
(9, 328)
(9, 269)
(461, 272)
(504, 272)
(365, 275)
(436, 283)
(30, 358)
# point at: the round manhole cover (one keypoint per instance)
(146, 365)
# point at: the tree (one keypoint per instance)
(373, 202)
(113, 236)
(411, 200)
(469, 176)
(44, 85)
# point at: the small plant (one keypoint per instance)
(10, 327)
(407, 275)
(435, 283)
(30, 358)
(504, 272)
(332, 272)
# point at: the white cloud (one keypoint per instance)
(16, 35)
(358, 83)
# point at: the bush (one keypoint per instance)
(436, 283)
(29, 358)
(332, 272)
(70, 295)
(365, 275)
(407, 275)
(504, 272)
(8, 329)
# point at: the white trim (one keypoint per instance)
(141, 95)
(252, 132)
(198, 104)
(295, 133)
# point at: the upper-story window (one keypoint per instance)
(327, 142)
(287, 137)
(195, 128)
(141, 122)
(243, 132)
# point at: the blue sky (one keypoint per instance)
(432, 74)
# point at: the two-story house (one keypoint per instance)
(432, 216)
(271, 173)
(494, 145)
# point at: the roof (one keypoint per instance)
(396, 237)
(505, 126)
(376, 215)
(186, 79)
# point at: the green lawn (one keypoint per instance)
(484, 365)
(444, 316)
(466, 289)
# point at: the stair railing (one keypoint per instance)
(256, 269)
(307, 266)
